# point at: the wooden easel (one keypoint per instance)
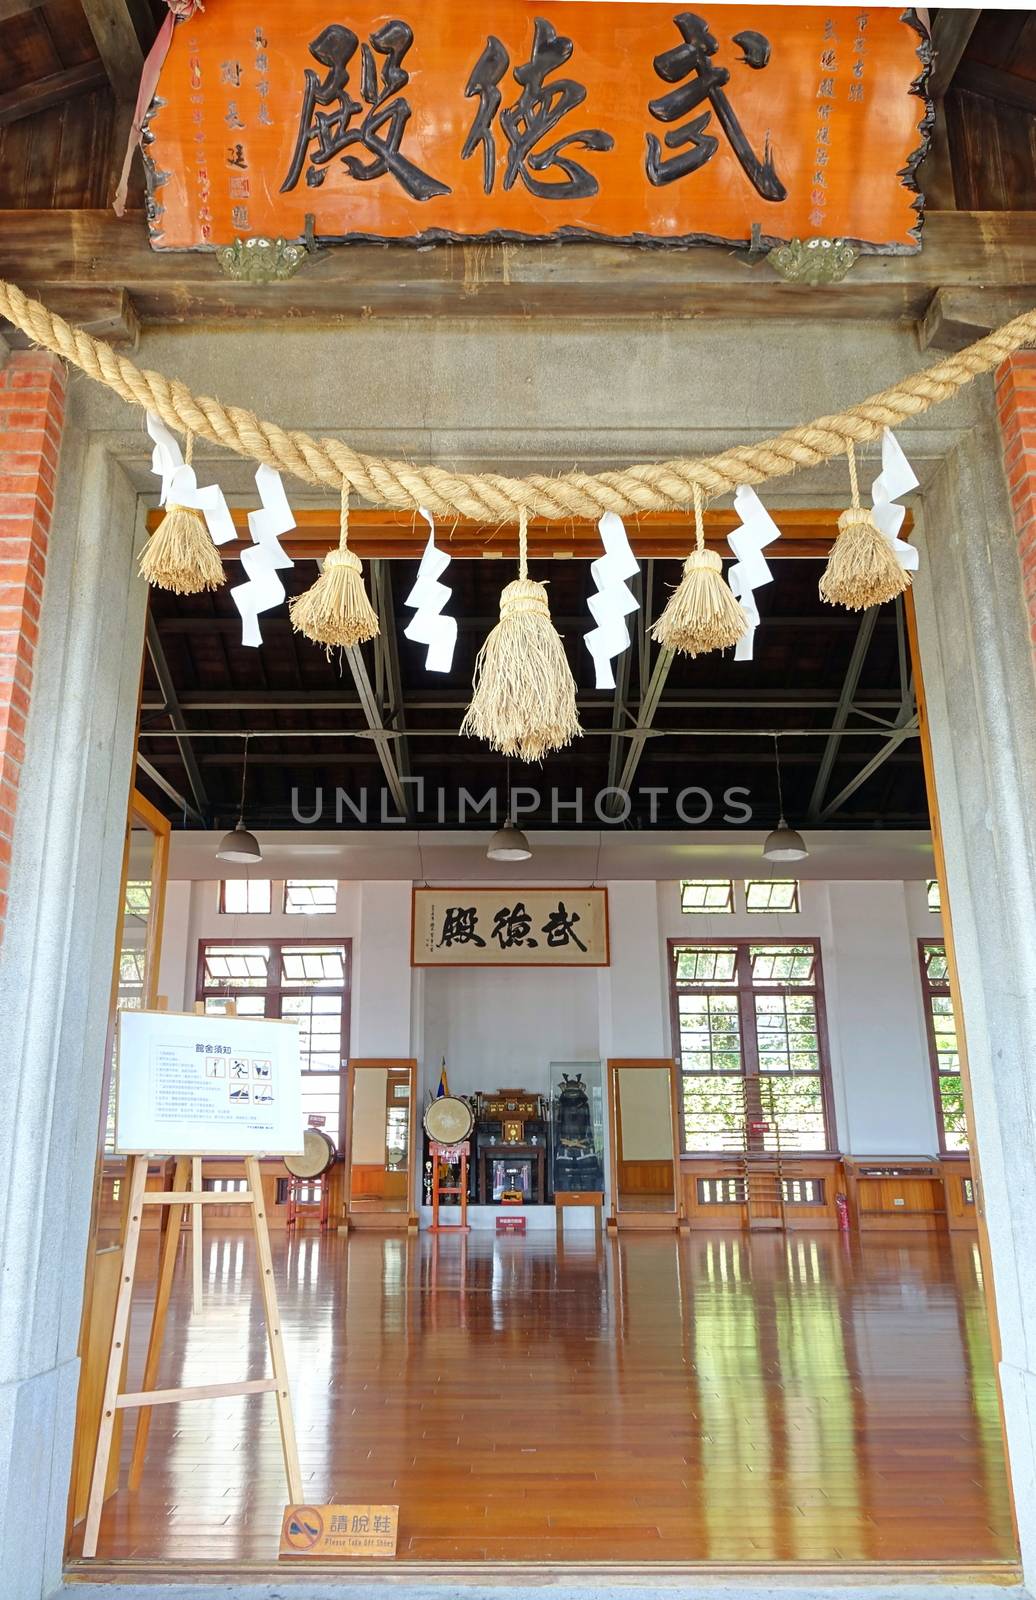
(114, 1402)
(442, 1155)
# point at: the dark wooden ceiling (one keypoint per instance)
(706, 709)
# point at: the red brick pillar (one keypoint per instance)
(32, 412)
(1016, 406)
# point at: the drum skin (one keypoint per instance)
(318, 1154)
(449, 1120)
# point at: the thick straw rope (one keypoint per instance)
(489, 496)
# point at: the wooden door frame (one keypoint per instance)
(614, 1065)
(408, 1064)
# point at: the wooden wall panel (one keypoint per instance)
(958, 1185)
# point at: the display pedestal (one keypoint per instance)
(588, 1197)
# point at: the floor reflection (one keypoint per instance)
(722, 1397)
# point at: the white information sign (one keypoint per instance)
(196, 1085)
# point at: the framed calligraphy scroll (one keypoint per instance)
(507, 120)
(510, 927)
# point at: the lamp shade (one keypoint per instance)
(785, 844)
(239, 845)
(508, 844)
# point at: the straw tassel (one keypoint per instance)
(524, 700)
(180, 554)
(336, 610)
(862, 569)
(702, 613)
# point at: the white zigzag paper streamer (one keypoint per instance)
(180, 486)
(264, 557)
(895, 478)
(613, 602)
(750, 570)
(428, 626)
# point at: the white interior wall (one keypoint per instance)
(503, 1028)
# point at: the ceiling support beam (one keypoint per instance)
(175, 715)
(53, 90)
(850, 684)
(167, 789)
(117, 45)
(892, 744)
(642, 732)
(384, 739)
(951, 34)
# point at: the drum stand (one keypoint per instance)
(449, 1155)
(297, 1207)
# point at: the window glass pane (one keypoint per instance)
(321, 1095)
(707, 894)
(786, 1033)
(320, 1029)
(306, 897)
(713, 1113)
(934, 895)
(783, 964)
(706, 963)
(954, 1120)
(245, 894)
(247, 1005)
(794, 1112)
(935, 964)
(243, 966)
(771, 894)
(710, 1033)
(313, 964)
(138, 900)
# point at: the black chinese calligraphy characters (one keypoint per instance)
(560, 929)
(513, 925)
(332, 122)
(459, 927)
(536, 112)
(692, 61)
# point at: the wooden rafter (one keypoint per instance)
(53, 90)
(117, 45)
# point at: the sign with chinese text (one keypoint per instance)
(451, 120)
(339, 1531)
(197, 1085)
(512, 927)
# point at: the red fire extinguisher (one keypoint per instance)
(842, 1207)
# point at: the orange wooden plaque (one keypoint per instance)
(510, 119)
(353, 1532)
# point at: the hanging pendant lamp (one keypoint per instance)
(783, 843)
(240, 845)
(508, 844)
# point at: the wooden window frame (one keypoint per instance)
(221, 902)
(322, 911)
(708, 911)
(928, 989)
(793, 910)
(276, 990)
(749, 1046)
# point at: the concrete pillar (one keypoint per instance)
(55, 980)
(981, 691)
(1016, 408)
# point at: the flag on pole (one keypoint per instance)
(444, 1083)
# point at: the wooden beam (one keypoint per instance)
(117, 45)
(106, 313)
(386, 534)
(50, 91)
(957, 317)
(995, 84)
(46, 251)
(951, 35)
(18, 8)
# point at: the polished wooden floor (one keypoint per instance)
(720, 1398)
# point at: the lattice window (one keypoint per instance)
(967, 1187)
(747, 1019)
(311, 896)
(772, 894)
(803, 1191)
(721, 1191)
(225, 1185)
(943, 1046)
(934, 895)
(306, 980)
(245, 895)
(706, 895)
